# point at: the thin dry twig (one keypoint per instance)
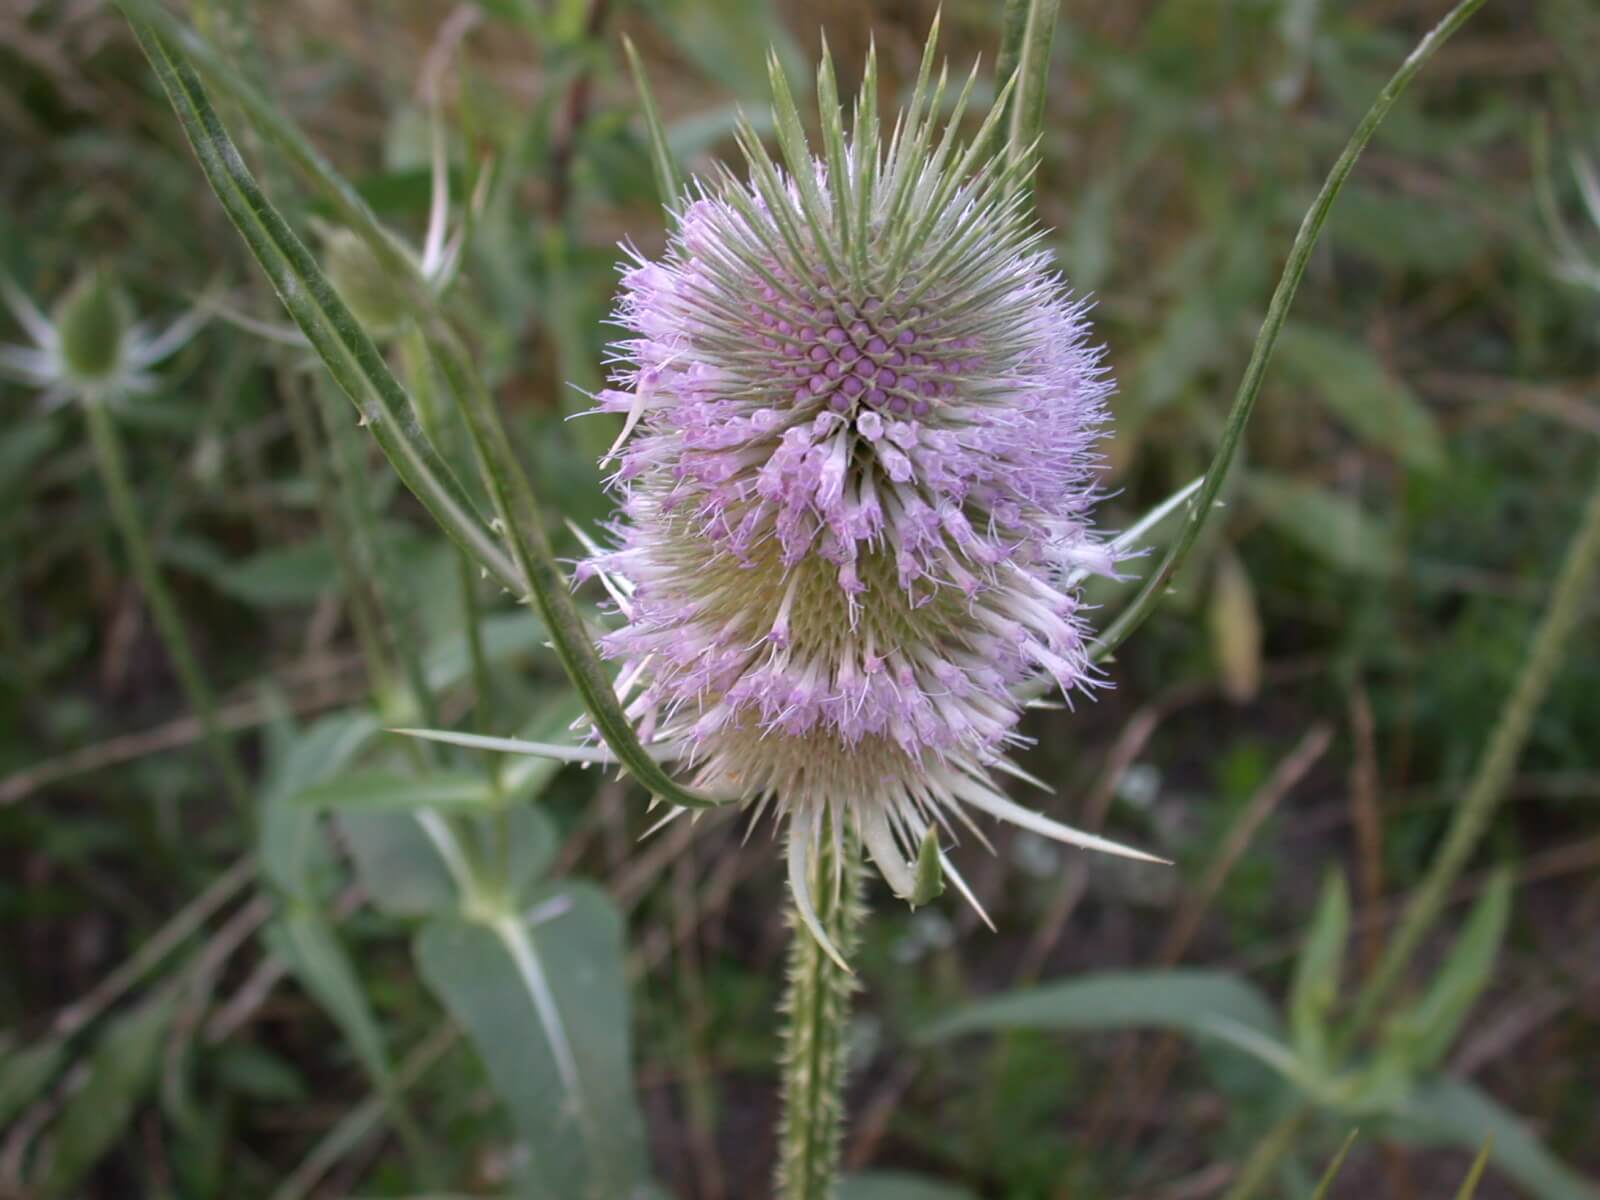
(1289, 772)
(873, 1124)
(155, 948)
(1135, 735)
(253, 993)
(1366, 818)
(316, 687)
(1569, 859)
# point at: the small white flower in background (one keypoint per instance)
(91, 348)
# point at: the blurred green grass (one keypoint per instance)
(1417, 463)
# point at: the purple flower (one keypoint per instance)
(858, 465)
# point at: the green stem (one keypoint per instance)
(543, 585)
(418, 368)
(113, 465)
(396, 600)
(817, 1008)
(1573, 588)
(364, 621)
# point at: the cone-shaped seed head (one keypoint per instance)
(362, 282)
(862, 412)
(92, 321)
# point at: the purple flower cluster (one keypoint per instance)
(858, 465)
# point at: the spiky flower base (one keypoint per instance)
(857, 469)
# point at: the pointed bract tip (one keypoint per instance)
(929, 873)
(799, 857)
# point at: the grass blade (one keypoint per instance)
(669, 183)
(358, 367)
(542, 583)
(1277, 311)
(341, 343)
(1026, 41)
(1325, 1185)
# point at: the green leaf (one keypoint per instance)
(284, 575)
(305, 940)
(1361, 392)
(545, 1003)
(396, 863)
(400, 867)
(150, 20)
(512, 636)
(121, 1071)
(669, 182)
(20, 448)
(1182, 1000)
(392, 791)
(1318, 970)
(728, 39)
(288, 837)
(1235, 620)
(1469, 1185)
(1027, 35)
(1396, 231)
(897, 1185)
(929, 873)
(27, 1072)
(1455, 1113)
(257, 1072)
(1423, 1034)
(1156, 584)
(344, 347)
(359, 368)
(1327, 524)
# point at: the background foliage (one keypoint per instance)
(313, 996)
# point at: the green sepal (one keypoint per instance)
(929, 884)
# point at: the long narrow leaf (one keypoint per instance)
(1453, 1112)
(277, 128)
(1277, 311)
(358, 367)
(1183, 1000)
(546, 1006)
(544, 585)
(669, 183)
(1026, 41)
(1325, 1185)
(344, 347)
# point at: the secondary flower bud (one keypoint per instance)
(92, 321)
(363, 283)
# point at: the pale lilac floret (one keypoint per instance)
(859, 464)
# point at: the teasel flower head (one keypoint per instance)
(856, 482)
(90, 348)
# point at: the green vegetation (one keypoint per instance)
(258, 945)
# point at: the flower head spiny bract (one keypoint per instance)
(858, 464)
